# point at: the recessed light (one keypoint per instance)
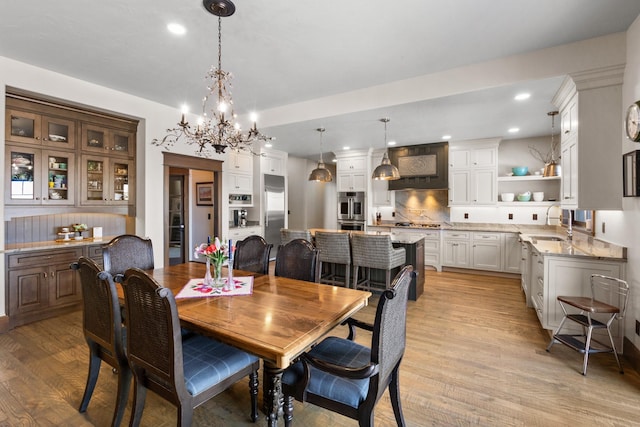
(346, 148)
(176, 29)
(391, 143)
(514, 130)
(335, 160)
(268, 145)
(522, 96)
(446, 137)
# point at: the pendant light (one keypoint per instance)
(321, 173)
(551, 167)
(386, 171)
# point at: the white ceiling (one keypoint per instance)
(285, 52)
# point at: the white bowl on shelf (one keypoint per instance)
(507, 197)
(538, 196)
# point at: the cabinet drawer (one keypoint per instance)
(94, 251)
(432, 246)
(431, 235)
(492, 237)
(29, 259)
(461, 235)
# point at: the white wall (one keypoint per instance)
(201, 217)
(623, 227)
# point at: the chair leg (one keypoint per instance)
(394, 392)
(387, 279)
(139, 396)
(615, 352)
(185, 415)
(124, 381)
(587, 345)
(347, 276)
(253, 392)
(92, 378)
(288, 411)
(355, 276)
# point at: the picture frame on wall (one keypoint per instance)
(204, 193)
(630, 174)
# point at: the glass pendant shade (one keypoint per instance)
(385, 170)
(321, 173)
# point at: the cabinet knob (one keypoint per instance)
(44, 274)
(566, 131)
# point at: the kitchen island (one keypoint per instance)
(413, 244)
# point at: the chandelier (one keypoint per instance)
(386, 170)
(321, 173)
(216, 129)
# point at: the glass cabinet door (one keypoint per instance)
(58, 132)
(59, 188)
(93, 181)
(120, 173)
(23, 170)
(94, 138)
(122, 143)
(22, 127)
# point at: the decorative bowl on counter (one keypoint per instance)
(507, 197)
(524, 197)
(520, 170)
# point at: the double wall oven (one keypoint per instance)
(351, 210)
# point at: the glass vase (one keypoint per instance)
(208, 279)
(217, 274)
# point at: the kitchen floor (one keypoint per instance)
(475, 356)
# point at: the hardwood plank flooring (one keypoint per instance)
(475, 357)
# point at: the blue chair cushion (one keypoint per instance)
(208, 362)
(340, 352)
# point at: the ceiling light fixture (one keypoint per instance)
(522, 96)
(176, 28)
(446, 137)
(321, 173)
(218, 129)
(514, 130)
(385, 170)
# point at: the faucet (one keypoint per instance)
(569, 223)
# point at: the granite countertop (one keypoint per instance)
(53, 244)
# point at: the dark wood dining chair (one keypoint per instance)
(298, 259)
(103, 332)
(127, 251)
(348, 378)
(252, 254)
(184, 372)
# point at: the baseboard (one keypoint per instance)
(631, 354)
(482, 272)
(4, 324)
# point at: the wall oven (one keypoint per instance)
(351, 206)
(351, 225)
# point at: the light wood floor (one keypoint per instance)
(475, 356)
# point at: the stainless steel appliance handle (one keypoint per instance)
(350, 208)
(266, 208)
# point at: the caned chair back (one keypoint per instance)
(333, 247)
(154, 340)
(298, 259)
(127, 251)
(390, 326)
(287, 235)
(252, 254)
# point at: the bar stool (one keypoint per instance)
(377, 252)
(335, 250)
(287, 235)
(608, 302)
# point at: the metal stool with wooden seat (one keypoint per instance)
(377, 252)
(608, 302)
(334, 249)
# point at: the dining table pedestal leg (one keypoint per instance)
(272, 393)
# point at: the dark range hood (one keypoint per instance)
(421, 167)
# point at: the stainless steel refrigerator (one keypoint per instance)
(274, 212)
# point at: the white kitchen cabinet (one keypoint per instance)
(241, 233)
(241, 162)
(525, 271)
(473, 172)
(486, 251)
(590, 107)
(511, 253)
(456, 249)
(273, 163)
(239, 183)
(352, 164)
(356, 181)
(432, 249)
(352, 171)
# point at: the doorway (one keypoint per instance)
(178, 179)
(179, 199)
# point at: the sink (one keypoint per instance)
(549, 238)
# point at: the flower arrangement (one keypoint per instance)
(215, 252)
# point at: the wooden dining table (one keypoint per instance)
(280, 319)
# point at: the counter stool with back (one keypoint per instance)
(334, 249)
(608, 302)
(377, 252)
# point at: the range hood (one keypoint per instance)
(421, 167)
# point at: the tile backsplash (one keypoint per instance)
(46, 227)
(422, 206)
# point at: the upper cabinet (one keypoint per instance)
(352, 171)
(240, 162)
(31, 128)
(273, 163)
(50, 148)
(473, 171)
(590, 105)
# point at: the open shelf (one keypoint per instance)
(528, 178)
